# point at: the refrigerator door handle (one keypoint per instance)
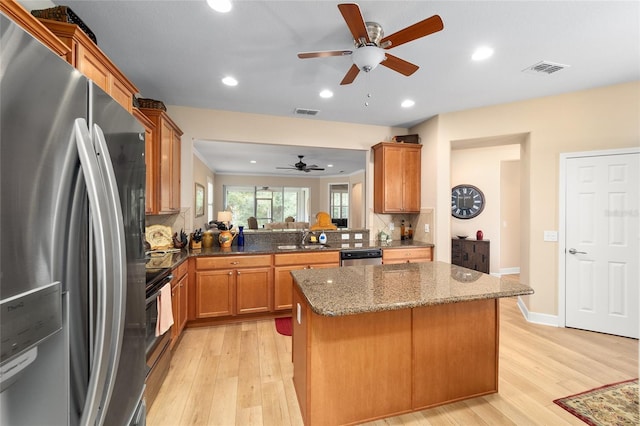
(96, 398)
(119, 255)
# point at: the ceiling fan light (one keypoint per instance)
(326, 93)
(230, 81)
(367, 58)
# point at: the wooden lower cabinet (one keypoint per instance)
(357, 368)
(407, 255)
(179, 301)
(233, 285)
(287, 262)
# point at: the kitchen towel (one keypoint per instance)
(165, 315)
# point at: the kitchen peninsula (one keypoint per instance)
(380, 340)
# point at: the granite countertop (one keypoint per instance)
(173, 259)
(373, 288)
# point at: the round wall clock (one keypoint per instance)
(467, 201)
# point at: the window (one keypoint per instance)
(339, 201)
(267, 204)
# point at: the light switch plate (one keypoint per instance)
(357, 236)
(345, 236)
(426, 228)
(551, 235)
(391, 226)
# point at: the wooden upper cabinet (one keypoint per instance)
(396, 180)
(33, 26)
(92, 62)
(165, 166)
(149, 160)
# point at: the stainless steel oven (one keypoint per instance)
(157, 347)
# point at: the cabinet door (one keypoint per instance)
(166, 167)
(411, 180)
(175, 310)
(214, 293)
(283, 286)
(253, 290)
(183, 304)
(175, 171)
(393, 178)
(89, 65)
(121, 93)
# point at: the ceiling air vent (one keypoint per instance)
(544, 67)
(305, 111)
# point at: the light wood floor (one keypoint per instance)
(241, 374)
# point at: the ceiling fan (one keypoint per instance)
(302, 166)
(371, 44)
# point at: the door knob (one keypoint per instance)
(574, 251)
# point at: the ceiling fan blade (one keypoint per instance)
(353, 17)
(287, 168)
(351, 75)
(307, 55)
(399, 65)
(314, 169)
(415, 31)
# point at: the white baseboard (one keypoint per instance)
(509, 271)
(536, 318)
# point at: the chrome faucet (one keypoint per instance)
(304, 236)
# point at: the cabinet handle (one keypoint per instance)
(230, 272)
(235, 262)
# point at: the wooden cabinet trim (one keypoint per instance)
(33, 26)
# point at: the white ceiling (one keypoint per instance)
(178, 51)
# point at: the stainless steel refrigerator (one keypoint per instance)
(72, 182)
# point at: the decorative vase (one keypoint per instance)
(479, 235)
(207, 239)
(240, 236)
(226, 238)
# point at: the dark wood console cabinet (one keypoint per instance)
(472, 254)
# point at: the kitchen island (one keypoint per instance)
(380, 340)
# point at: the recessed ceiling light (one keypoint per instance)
(407, 103)
(329, 165)
(222, 6)
(230, 81)
(253, 161)
(482, 53)
(326, 94)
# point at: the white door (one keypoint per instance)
(602, 239)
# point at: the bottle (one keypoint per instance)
(479, 235)
(240, 236)
(410, 231)
(323, 238)
(402, 230)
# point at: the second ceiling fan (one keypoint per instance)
(371, 44)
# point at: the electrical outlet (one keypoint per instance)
(426, 228)
(391, 227)
(345, 236)
(357, 236)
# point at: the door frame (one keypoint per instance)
(562, 243)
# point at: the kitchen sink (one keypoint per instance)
(303, 247)
(314, 246)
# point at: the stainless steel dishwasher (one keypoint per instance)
(361, 256)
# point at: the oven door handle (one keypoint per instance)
(159, 287)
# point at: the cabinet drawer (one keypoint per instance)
(180, 270)
(406, 253)
(306, 258)
(227, 262)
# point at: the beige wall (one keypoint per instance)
(481, 167)
(200, 174)
(601, 118)
(510, 216)
(202, 124)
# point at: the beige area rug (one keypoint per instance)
(614, 404)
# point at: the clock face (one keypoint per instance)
(467, 201)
